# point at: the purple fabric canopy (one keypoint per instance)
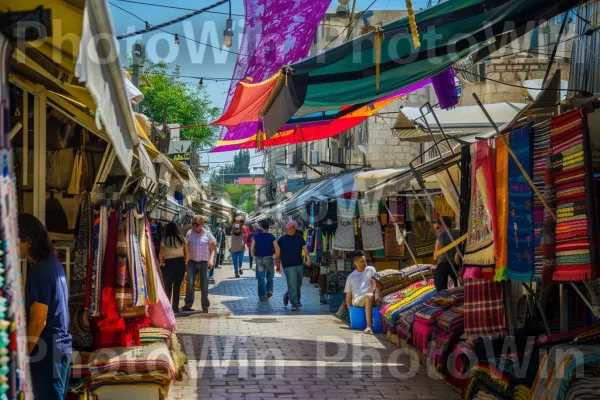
(276, 33)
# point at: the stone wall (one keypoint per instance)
(513, 71)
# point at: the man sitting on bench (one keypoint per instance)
(360, 288)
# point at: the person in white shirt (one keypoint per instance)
(360, 288)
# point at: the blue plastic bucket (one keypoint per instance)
(335, 300)
(358, 319)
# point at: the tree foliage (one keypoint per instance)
(187, 104)
(230, 172)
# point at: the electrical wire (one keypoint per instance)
(176, 8)
(167, 32)
(150, 28)
(358, 16)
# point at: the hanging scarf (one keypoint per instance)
(541, 150)
(501, 208)
(480, 250)
(79, 175)
(136, 267)
(95, 286)
(121, 274)
(109, 269)
(81, 255)
(520, 238)
(484, 309)
(160, 312)
(548, 241)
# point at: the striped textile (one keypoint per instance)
(397, 206)
(573, 227)
(405, 322)
(416, 298)
(541, 151)
(452, 320)
(484, 309)
(520, 238)
(95, 287)
(136, 266)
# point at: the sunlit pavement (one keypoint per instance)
(244, 348)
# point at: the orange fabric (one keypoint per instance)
(248, 101)
(501, 209)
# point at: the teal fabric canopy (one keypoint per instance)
(448, 32)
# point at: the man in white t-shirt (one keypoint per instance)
(360, 288)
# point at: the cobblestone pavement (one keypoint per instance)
(247, 349)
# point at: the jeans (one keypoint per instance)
(194, 268)
(441, 274)
(265, 268)
(50, 376)
(238, 258)
(294, 276)
(172, 273)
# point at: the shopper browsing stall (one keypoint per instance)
(444, 268)
(264, 249)
(201, 245)
(291, 246)
(46, 296)
(173, 258)
(360, 288)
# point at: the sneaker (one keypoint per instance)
(263, 299)
(295, 308)
(237, 275)
(241, 272)
(269, 295)
(286, 299)
(187, 309)
(205, 311)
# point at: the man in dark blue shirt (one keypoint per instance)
(264, 248)
(291, 246)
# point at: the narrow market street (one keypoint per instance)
(245, 348)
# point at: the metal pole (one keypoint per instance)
(555, 49)
(539, 306)
(39, 153)
(138, 67)
(563, 308)
(585, 299)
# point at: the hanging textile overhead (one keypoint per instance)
(276, 32)
(347, 74)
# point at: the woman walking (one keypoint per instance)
(238, 247)
(173, 259)
(46, 299)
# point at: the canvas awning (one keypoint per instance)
(72, 69)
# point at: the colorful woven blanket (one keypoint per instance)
(520, 239)
(501, 208)
(484, 309)
(417, 297)
(452, 320)
(575, 223)
(484, 378)
(541, 152)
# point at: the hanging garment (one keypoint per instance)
(484, 309)
(442, 208)
(541, 151)
(81, 255)
(121, 273)
(344, 234)
(449, 182)
(60, 168)
(480, 247)
(520, 238)
(109, 269)
(548, 241)
(576, 228)
(369, 225)
(465, 190)
(79, 175)
(397, 209)
(135, 264)
(424, 233)
(501, 208)
(393, 248)
(100, 237)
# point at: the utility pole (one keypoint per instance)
(138, 57)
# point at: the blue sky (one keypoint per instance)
(197, 60)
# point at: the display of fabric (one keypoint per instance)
(344, 235)
(417, 297)
(452, 320)
(81, 255)
(480, 248)
(155, 335)
(135, 263)
(370, 226)
(501, 208)
(449, 297)
(485, 378)
(154, 357)
(541, 152)
(442, 208)
(484, 309)
(520, 239)
(587, 388)
(397, 209)
(405, 322)
(548, 241)
(559, 367)
(422, 228)
(392, 248)
(576, 223)
(95, 287)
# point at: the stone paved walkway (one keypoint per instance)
(246, 349)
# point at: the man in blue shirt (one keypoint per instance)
(291, 246)
(264, 248)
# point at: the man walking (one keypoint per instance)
(291, 246)
(202, 246)
(264, 249)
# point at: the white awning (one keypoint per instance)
(148, 174)
(364, 180)
(536, 88)
(99, 68)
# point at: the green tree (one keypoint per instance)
(187, 104)
(248, 205)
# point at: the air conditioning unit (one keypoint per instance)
(336, 155)
(315, 157)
